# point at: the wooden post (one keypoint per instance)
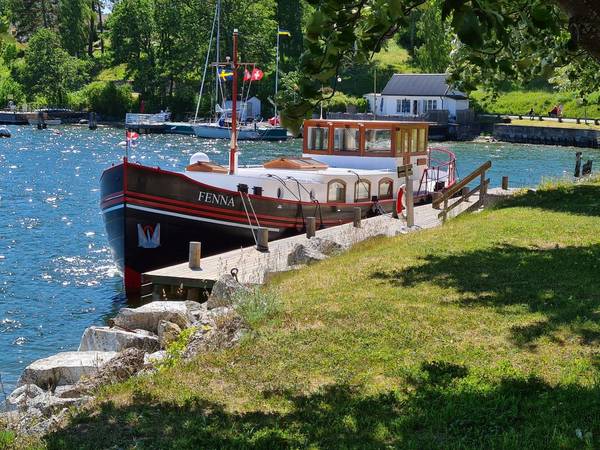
(483, 189)
(505, 183)
(262, 239)
(445, 210)
(410, 210)
(92, 122)
(311, 226)
(577, 164)
(195, 255)
(357, 216)
(434, 196)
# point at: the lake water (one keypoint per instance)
(56, 272)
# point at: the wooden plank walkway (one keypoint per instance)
(254, 266)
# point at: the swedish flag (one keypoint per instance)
(281, 32)
(225, 74)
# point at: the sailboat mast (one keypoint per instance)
(276, 71)
(233, 145)
(218, 51)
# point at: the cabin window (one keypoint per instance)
(405, 141)
(414, 141)
(318, 138)
(422, 140)
(378, 141)
(346, 139)
(362, 191)
(386, 189)
(336, 191)
(428, 105)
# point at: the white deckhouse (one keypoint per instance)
(414, 95)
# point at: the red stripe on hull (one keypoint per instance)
(132, 280)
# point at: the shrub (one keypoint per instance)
(10, 90)
(256, 305)
(106, 98)
(340, 101)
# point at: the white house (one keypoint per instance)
(416, 94)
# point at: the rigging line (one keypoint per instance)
(248, 217)
(284, 185)
(252, 208)
(205, 65)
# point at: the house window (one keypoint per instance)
(405, 106)
(362, 191)
(398, 106)
(346, 139)
(386, 188)
(318, 138)
(378, 140)
(422, 141)
(336, 191)
(428, 105)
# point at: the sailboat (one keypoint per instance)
(221, 127)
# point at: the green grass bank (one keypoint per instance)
(521, 101)
(481, 334)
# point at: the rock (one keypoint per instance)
(21, 396)
(167, 332)
(304, 254)
(196, 310)
(326, 246)
(147, 317)
(224, 291)
(120, 368)
(107, 339)
(152, 359)
(63, 368)
(227, 331)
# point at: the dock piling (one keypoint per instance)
(195, 255)
(357, 216)
(505, 183)
(311, 226)
(262, 239)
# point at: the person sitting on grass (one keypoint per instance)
(554, 112)
(531, 113)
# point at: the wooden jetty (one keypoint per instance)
(254, 266)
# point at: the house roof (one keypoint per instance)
(421, 84)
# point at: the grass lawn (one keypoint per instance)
(481, 334)
(556, 124)
(520, 102)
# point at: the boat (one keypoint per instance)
(252, 132)
(4, 132)
(151, 214)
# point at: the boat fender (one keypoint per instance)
(399, 204)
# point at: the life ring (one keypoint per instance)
(399, 204)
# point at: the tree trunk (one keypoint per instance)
(584, 24)
(91, 34)
(100, 26)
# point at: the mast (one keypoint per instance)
(218, 52)
(233, 145)
(276, 71)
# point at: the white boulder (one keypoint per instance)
(63, 368)
(106, 339)
(148, 316)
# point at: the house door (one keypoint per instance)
(415, 107)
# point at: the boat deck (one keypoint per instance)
(254, 266)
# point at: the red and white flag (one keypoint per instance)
(247, 75)
(257, 74)
(132, 135)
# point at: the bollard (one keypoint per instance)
(505, 183)
(357, 216)
(195, 255)
(311, 226)
(262, 239)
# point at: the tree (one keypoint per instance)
(48, 71)
(433, 55)
(499, 40)
(73, 25)
(29, 15)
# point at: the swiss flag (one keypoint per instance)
(257, 75)
(132, 135)
(247, 75)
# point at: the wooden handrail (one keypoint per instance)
(461, 184)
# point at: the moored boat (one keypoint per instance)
(152, 214)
